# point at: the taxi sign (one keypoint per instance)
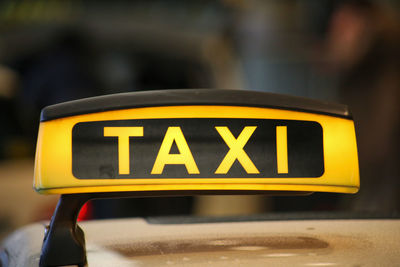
(196, 140)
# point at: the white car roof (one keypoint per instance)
(136, 242)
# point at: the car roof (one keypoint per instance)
(140, 242)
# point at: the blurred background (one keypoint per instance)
(337, 51)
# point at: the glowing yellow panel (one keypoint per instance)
(196, 147)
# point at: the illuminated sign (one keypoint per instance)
(170, 146)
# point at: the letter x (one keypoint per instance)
(236, 150)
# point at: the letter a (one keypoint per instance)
(184, 157)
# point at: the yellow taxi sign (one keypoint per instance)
(196, 140)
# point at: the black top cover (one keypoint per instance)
(191, 97)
